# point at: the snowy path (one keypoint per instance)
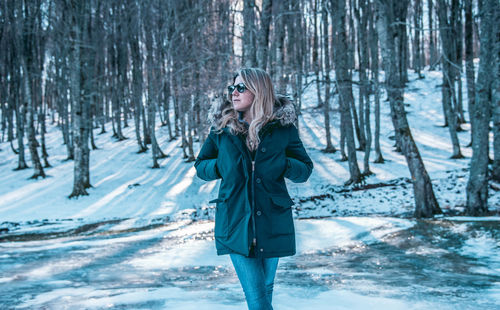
(342, 263)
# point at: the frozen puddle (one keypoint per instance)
(341, 263)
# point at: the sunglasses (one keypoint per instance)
(241, 88)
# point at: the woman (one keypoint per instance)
(253, 145)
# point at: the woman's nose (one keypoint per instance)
(235, 92)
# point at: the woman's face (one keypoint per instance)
(241, 101)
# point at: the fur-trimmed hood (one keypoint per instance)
(283, 111)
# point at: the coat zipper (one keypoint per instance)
(253, 204)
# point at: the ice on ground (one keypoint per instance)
(341, 263)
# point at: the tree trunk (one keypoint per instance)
(477, 186)
(137, 71)
(364, 96)
(433, 60)
(417, 50)
(20, 121)
(249, 58)
(469, 59)
(67, 137)
(296, 48)
(263, 38)
(182, 116)
(152, 97)
(11, 106)
(355, 120)
(344, 86)
(32, 143)
(115, 76)
(43, 131)
(448, 75)
(24, 47)
(88, 85)
(404, 47)
(77, 101)
(361, 43)
(280, 48)
(352, 41)
(457, 23)
(496, 103)
(373, 38)
(391, 15)
(495, 168)
(326, 106)
(167, 97)
(154, 144)
(316, 59)
(190, 116)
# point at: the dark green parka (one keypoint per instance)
(253, 205)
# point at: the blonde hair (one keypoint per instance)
(259, 83)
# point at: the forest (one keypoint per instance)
(105, 105)
(89, 67)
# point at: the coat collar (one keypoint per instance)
(283, 112)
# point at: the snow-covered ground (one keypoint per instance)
(341, 263)
(143, 237)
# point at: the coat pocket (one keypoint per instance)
(217, 200)
(282, 219)
(221, 217)
(282, 200)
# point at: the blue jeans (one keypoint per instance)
(257, 279)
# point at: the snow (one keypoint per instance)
(175, 267)
(124, 187)
(143, 238)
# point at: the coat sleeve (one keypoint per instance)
(206, 162)
(299, 164)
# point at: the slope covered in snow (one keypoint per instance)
(143, 238)
(124, 186)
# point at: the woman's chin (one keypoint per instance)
(239, 109)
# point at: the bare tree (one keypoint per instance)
(417, 48)
(469, 58)
(449, 74)
(280, 34)
(25, 49)
(297, 51)
(78, 11)
(263, 36)
(343, 82)
(326, 52)
(361, 45)
(477, 186)
(137, 71)
(249, 34)
(495, 102)
(362, 14)
(374, 54)
(391, 26)
(13, 88)
(433, 59)
(316, 58)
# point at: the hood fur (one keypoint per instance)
(283, 111)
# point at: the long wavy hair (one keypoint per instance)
(259, 83)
